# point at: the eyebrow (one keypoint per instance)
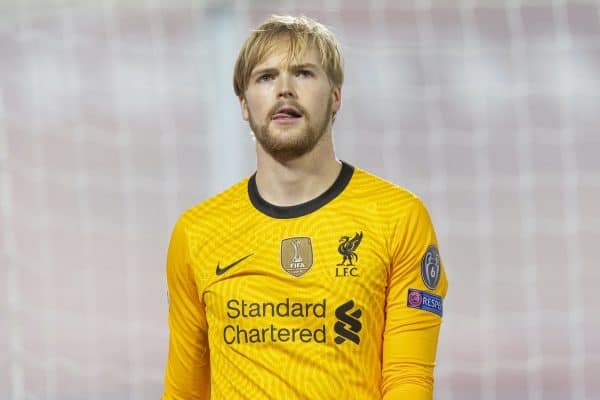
(292, 67)
(264, 71)
(302, 66)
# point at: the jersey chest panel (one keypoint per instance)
(308, 281)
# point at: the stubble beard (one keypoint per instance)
(280, 145)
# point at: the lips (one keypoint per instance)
(286, 113)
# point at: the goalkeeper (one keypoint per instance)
(311, 278)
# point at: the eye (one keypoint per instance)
(305, 73)
(264, 78)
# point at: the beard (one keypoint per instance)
(284, 145)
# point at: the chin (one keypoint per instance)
(282, 145)
(287, 142)
(288, 136)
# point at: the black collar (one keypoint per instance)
(299, 210)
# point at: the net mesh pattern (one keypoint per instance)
(116, 116)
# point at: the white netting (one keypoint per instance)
(116, 116)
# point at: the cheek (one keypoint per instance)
(324, 98)
(256, 105)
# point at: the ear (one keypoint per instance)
(244, 107)
(336, 96)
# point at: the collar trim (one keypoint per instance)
(298, 210)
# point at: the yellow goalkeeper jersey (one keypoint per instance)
(337, 298)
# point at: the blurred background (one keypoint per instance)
(115, 116)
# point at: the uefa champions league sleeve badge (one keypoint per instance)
(430, 267)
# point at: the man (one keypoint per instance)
(311, 279)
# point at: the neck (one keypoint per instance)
(296, 181)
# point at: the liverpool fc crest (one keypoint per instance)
(347, 248)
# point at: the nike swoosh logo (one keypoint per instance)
(221, 271)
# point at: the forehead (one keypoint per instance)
(281, 56)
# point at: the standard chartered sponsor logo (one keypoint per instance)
(241, 308)
(234, 334)
(277, 316)
(348, 324)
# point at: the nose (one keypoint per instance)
(286, 87)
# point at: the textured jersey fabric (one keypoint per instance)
(337, 298)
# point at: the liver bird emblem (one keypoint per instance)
(348, 247)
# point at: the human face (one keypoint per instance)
(289, 105)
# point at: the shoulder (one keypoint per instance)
(216, 208)
(372, 189)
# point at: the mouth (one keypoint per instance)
(286, 114)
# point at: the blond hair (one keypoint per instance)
(302, 33)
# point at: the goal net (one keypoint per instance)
(115, 116)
